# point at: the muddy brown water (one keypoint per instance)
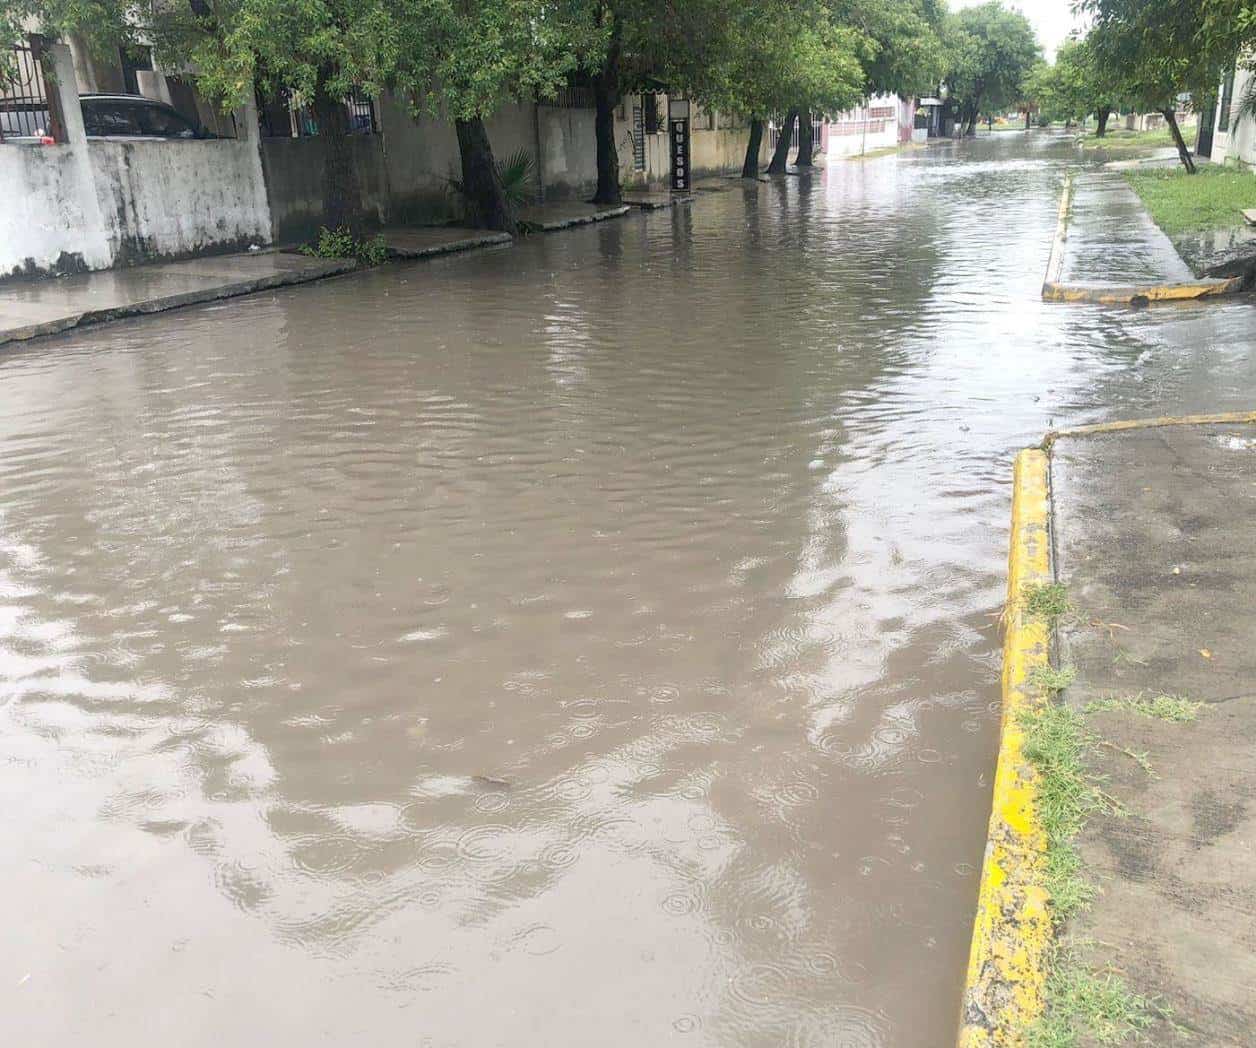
(586, 642)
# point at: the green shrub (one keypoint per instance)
(341, 243)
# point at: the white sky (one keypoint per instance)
(1053, 19)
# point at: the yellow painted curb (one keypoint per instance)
(1224, 418)
(1105, 295)
(1054, 289)
(1055, 264)
(1007, 968)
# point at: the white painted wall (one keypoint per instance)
(95, 204)
(50, 221)
(1238, 144)
(859, 131)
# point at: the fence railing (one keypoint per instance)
(774, 133)
(26, 108)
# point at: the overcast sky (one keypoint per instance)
(1053, 19)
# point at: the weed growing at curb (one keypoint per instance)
(1056, 741)
(1172, 708)
(1051, 680)
(341, 243)
(1085, 1002)
(1048, 601)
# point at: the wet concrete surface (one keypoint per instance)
(1157, 546)
(29, 309)
(1113, 240)
(564, 214)
(427, 241)
(593, 642)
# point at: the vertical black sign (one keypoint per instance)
(680, 153)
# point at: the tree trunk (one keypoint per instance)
(1183, 152)
(1103, 115)
(487, 207)
(1027, 116)
(342, 195)
(806, 139)
(750, 166)
(606, 91)
(780, 158)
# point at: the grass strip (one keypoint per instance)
(1214, 198)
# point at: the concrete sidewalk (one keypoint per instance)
(1112, 238)
(44, 307)
(1155, 537)
(29, 309)
(1108, 251)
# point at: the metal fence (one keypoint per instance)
(279, 118)
(24, 110)
(774, 133)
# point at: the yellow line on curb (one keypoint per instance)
(1055, 289)
(1102, 295)
(1055, 264)
(1225, 418)
(1007, 968)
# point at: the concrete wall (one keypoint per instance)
(712, 152)
(569, 152)
(95, 204)
(1237, 145)
(294, 170)
(50, 223)
(175, 199)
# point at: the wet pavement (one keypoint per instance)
(1158, 550)
(593, 641)
(1113, 240)
(30, 309)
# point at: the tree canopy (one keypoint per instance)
(989, 50)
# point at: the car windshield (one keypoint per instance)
(108, 116)
(156, 120)
(124, 116)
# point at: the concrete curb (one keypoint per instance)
(212, 293)
(1055, 289)
(553, 225)
(1004, 992)
(405, 254)
(1225, 418)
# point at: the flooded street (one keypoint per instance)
(587, 642)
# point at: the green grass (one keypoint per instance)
(1181, 203)
(1049, 601)
(1172, 708)
(1133, 141)
(1052, 680)
(1057, 741)
(1098, 1005)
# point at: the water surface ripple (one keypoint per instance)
(587, 643)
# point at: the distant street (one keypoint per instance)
(591, 641)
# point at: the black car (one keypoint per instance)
(105, 116)
(133, 116)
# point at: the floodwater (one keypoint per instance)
(590, 642)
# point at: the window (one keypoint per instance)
(164, 123)
(106, 116)
(650, 103)
(134, 58)
(1227, 100)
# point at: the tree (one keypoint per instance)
(1158, 52)
(470, 57)
(989, 52)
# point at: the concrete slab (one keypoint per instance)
(568, 213)
(657, 200)
(30, 309)
(426, 241)
(1112, 239)
(1155, 531)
